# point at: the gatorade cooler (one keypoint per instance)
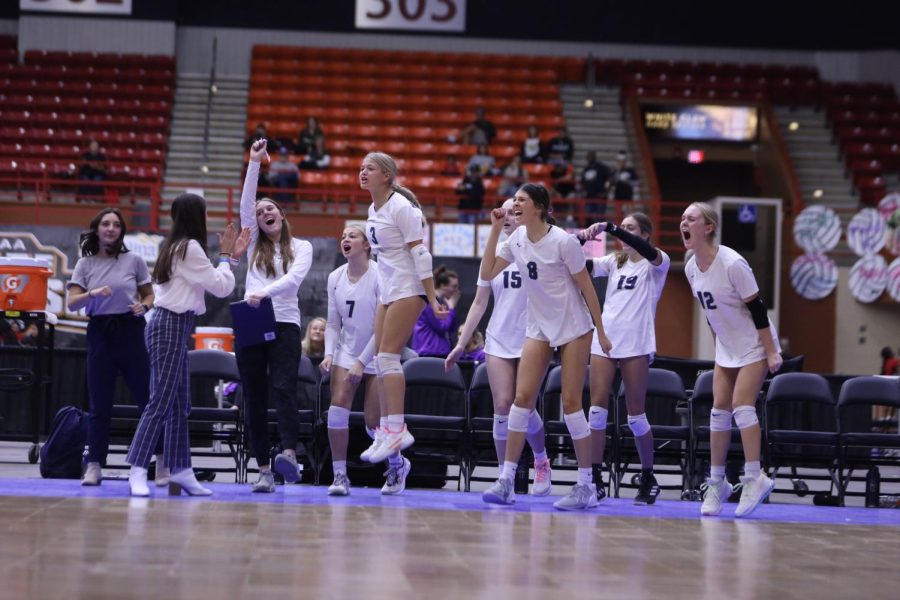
(23, 283)
(214, 338)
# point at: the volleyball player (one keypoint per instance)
(636, 275)
(350, 348)
(561, 306)
(395, 228)
(503, 347)
(746, 348)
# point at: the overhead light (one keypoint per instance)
(793, 125)
(818, 193)
(588, 103)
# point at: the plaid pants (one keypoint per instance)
(167, 338)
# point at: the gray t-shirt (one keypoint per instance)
(123, 274)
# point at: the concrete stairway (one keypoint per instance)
(228, 115)
(600, 127)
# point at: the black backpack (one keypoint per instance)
(61, 455)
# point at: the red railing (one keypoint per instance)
(144, 204)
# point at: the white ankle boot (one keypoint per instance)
(187, 481)
(137, 481)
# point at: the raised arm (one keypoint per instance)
(258, 153)
(491, 264)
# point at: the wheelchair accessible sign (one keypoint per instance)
(747, 214)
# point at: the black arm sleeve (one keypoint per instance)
(642, 246)
(758, 312)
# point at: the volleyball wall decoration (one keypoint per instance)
(817, 229)
(868, 278)
(814, 276)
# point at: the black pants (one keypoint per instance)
(271, 368)
(115, 345)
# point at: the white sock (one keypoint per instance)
(395, 423)
(585, 476)
(339, 466)
(382, 422)
(717, 473)
(395, 460)
(540, 456)
(752, 469)
(509, 470)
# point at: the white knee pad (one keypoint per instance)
(597, 418)
(338, 417)
(518, 419)
(745, 416)
(535, 423)
(638, 424)
(501, 423)
(387, 364)
(719, 420)
(577, 425)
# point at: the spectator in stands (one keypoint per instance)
(451, 167)
(514, 175)
(621, 180)
(532, 148)
(592, 184)
(284, 174)
(93, 168)
(561, 147)
(480, 131)
(8, 336)
(313, 343)
(258, 134)
(318, 158)
(482, 160)
(431, 334)
(306, 140)
(471, 196)
(562, 177)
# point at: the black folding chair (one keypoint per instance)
(863, 441)
(437, 415)
(801, 427)
(667, 411)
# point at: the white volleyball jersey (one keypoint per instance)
(721, 291)
(351, 310)
(556, 310)
(629, 311)
(505, 334)
(389, 229)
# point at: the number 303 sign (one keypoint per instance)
(441, 15)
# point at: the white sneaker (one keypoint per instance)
(93, 475)
(395, 478)
(379, 439)
(582, 496)
(542, 473)
(340, 486)
(392, 444)
(501, 492)
(716, 494)
(754, 491)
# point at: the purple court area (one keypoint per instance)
(450, 500)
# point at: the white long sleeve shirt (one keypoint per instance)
(190, 279)
(284, 287)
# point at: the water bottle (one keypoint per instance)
(873, 488)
